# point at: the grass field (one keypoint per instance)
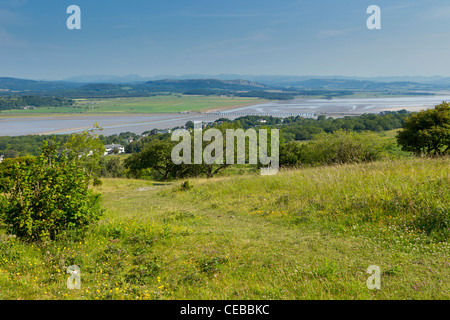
(302, 234)
(157, 104)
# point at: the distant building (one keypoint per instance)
(164, 131)
(110, 148)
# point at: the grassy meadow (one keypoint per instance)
(302, 234)
(155, 104)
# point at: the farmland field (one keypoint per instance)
(156, 104)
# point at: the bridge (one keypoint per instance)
(260, 114)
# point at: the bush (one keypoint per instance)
(427, 132)
(97, 182)
(346, 147)
(47, 196)
(111, 168)
(335, 148)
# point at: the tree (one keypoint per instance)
(291, 154)
(189, 125)
(87, 149)
(156, 155)
(46, 195)
(111, 167)
(427, 132)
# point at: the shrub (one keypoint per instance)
(346, 147)
(111, 168)
(97, 182)
(335, 148)
(427, 132)
(47, 196)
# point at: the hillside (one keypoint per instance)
(164, 86)
(326, 87)
(23, 86)
(185, 85)
(360, 85)
(302, 234)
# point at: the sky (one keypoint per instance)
(253, 37)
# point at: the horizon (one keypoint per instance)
(291, 38)
(226, 77)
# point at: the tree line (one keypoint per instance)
(329, 141)
(44, 196)
(294, 128)
(17, 102)
(303, 142)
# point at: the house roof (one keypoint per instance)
(113, 146)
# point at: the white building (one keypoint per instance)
(110, 147)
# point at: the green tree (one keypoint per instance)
(43, 197)
(87, 149)
(112, 167)
(156, 155)
(189, 125)
(427, 132)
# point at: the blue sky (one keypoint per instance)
(257, 37)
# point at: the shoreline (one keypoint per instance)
(117, 114)
(16, 124)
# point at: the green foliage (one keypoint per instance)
(185, 186)
(47, 195)
(156, 155)
(300, 234)
(345, 147)
(7, 168)
(339, 147)
(17, 146)
(427, 132)
(87, 149)
(291, 154)
(97, 182)
(299, 128)
(111, 168)
(8, 103)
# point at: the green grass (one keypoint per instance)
(301, 234)
(157, 104)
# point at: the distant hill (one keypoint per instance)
(21, 86)
(271, 87)
(132, 78)
(363, 85)
(14, 85)
(212, 84)
(203, 86)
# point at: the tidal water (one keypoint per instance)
(138, 123)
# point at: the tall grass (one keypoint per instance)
(301, 234)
